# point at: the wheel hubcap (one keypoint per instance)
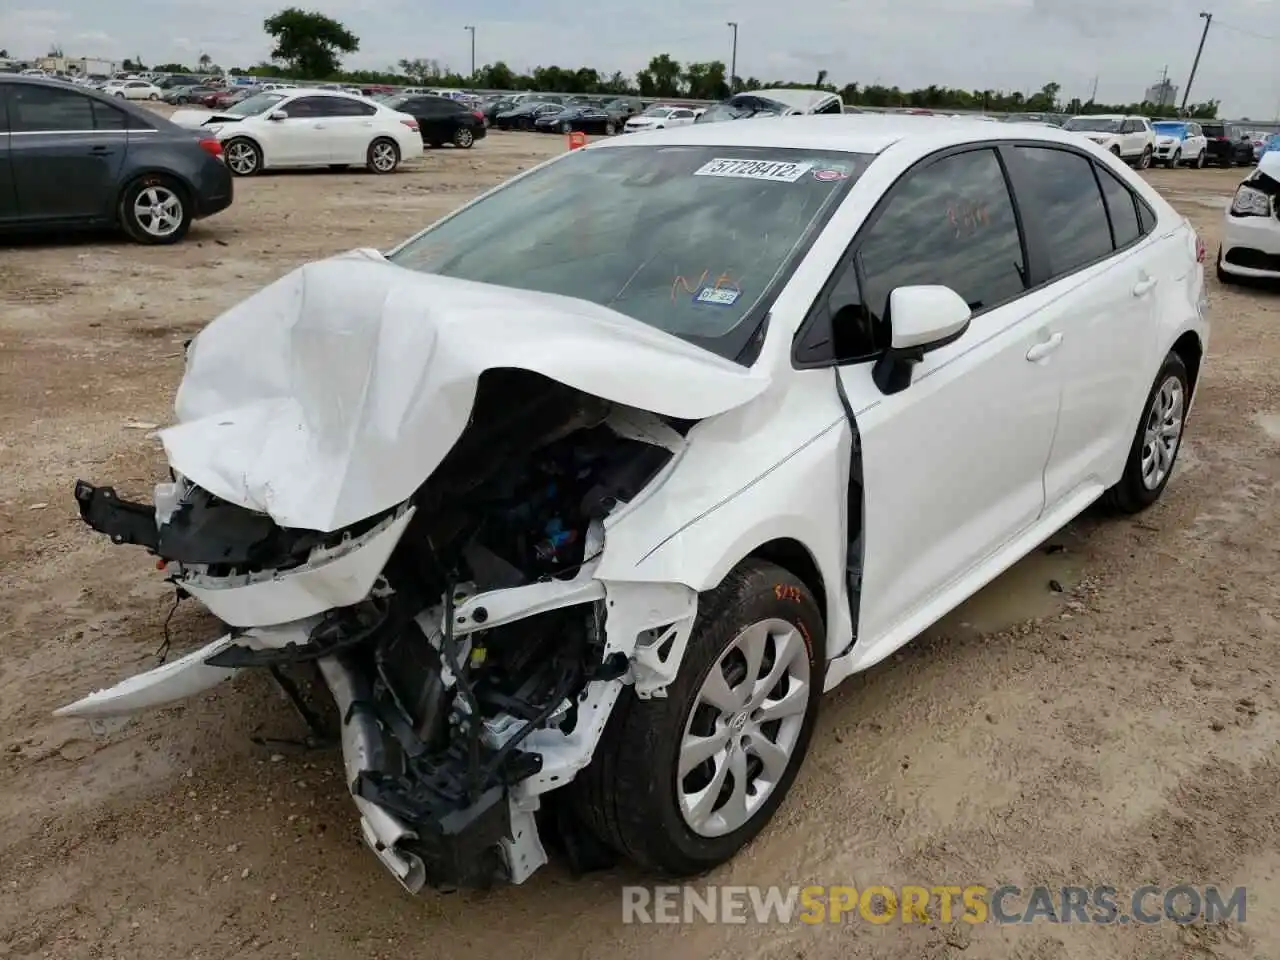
(384, 157)
(464, 137)
(742, 729)
(241, 158)
(158, 211)
(1162, 432)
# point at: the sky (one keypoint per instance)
(975, 44)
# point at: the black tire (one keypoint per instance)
(1224, 278)
(1131, 494)
(1116, 151)
(383, 156)
(609, 128)
(627, 796)
(1176, 159)
(147, 232)
(566, 127)
(1144, 161)
(1199, 164)
(243, 157)
(464, 138)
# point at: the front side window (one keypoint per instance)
(34, 109)
(1063, 186)
(950, 223)
(107, 117)
(687, 239)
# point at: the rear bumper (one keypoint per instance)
(214, 190)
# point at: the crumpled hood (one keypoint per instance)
(333, 393)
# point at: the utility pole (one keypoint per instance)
(472, 31)
(1208, 19)
(1093, 94)
(733, 57)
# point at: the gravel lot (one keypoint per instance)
(1125, 730)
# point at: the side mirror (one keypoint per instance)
(278, 115)
(921, 318)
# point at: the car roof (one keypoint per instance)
(148, 117)
(849, 133)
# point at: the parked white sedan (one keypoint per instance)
(597, 484)
(133, 90)
(659, 118)
(308, 128)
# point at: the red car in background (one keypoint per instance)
(225, 98)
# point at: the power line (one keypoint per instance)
(1247, 33)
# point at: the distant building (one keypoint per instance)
(1162, 94)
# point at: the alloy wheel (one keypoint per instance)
(743, 728)
(1162, 432)
(383, 156)
(242, 158)
(158, 211)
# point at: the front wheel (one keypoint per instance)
(153, 96)
(1156, 443)
(680, 784)
(383, 156)
(1200, 160)
(244, 158)
(1176, 159)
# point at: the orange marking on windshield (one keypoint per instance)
(721, 282)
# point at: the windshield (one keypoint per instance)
(657, 112)
(1098, 124)
(688, 239)
(740, 108)
(1170, 129)
(254, 105)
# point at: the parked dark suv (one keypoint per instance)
(73, 158)
(1227, 145)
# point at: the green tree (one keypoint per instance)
(661, 78)
(308, 42)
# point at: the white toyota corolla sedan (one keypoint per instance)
(308, 128)
(582, 497)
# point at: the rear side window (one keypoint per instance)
(1121, 209)
(949, 223)
(1063, 187)
(35, 109)
(107, 117)
(342, 107)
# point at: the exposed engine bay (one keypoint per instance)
(483, 630)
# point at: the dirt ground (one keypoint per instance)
(1122, 730)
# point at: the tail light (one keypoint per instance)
(411, 123)
(1199, 249)
(477, 114)
(211, 146)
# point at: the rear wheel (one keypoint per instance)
(383, 155)
(154, 210)
(1156, 443)
(1144, 161)
(680, 784)
(464, 138)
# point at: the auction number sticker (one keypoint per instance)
(720, 296)
(779, 171)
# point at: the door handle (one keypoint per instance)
(1042, 350)
(1143, 286)
(100, 150)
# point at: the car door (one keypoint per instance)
(680, 117)
(8, 193)
(65, 164)
(301, 138)
(349, 127)
(1104, 283)
(953, 466)
(432, 119)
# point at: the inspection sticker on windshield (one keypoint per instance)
(776, 170)
(720, 296)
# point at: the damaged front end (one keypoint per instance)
(473, 654)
